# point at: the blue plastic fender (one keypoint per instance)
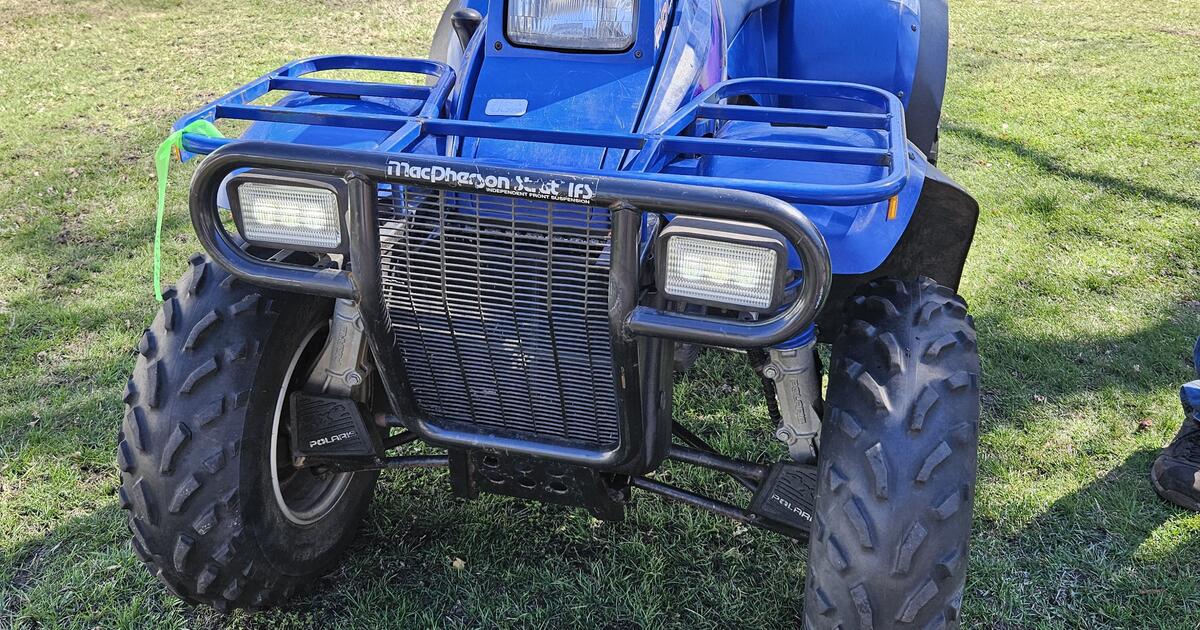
(754, 47)
(874, 42)
(859, 237)
(693, 60)
(735, 13)
(344, 137)
(895, 45)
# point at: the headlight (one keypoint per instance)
(600, 25)
(722, 263)
(291, 212)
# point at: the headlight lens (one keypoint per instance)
(601, 25)
(303, 217)
(722, 263)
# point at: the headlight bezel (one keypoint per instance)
(334, 185)
(721, 231)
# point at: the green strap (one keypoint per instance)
(162, 162)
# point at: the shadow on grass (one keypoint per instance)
(526, 565)
(84, 572)
(79, 572)
(1022, 371)
(1102, 555)
(1057, 167)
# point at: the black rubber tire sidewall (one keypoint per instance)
(291, 549)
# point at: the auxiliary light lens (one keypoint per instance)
(302, 216)
(721, 272)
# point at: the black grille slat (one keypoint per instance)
(499, 308)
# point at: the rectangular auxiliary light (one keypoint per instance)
(288, 212)
(722, 263)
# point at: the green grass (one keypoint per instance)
(1074, 123)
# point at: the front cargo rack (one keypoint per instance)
(420, 108)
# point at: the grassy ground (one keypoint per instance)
(1073, 123)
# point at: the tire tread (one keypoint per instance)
(898, 462)
(179, 444)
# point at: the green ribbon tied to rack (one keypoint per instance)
(171, 147)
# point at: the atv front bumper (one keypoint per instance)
(640, 333)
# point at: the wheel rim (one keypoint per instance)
(303, 495)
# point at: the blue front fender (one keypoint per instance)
(859, 237)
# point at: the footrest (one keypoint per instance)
(788, 496)
(325, 429)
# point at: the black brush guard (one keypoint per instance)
(641, 335)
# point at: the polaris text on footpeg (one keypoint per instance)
(788, 496)
(330, 429)
(504, 278)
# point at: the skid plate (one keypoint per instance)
(473, 472)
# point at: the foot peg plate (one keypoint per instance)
(788, 496)
(330, 429)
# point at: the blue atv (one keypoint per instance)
(500, 268)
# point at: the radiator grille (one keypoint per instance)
(499, 308)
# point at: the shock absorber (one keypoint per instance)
(792, 386)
